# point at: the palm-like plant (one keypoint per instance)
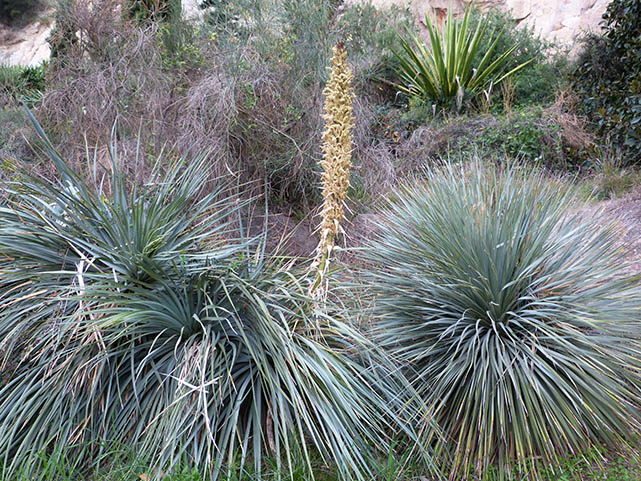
(511, 316)
(137, 318)
(450, 70)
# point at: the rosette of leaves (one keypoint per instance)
(450, 69)
(138, 317)
(512, 317)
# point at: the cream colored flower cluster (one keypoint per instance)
(337, 145)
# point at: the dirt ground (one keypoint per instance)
(625, 214)
(301, 238)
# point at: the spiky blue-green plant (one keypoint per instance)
(134, 316)
(511, 314)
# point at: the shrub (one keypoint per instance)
(608, 78)
(451, 69)
(511, 315)
(251, 92)
(551, 138)
(537, 82)
(13, 10)
(225, 15)
(527, 135)
(371, 35)
(146, 10)
(138, 317)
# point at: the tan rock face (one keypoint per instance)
(26, 46)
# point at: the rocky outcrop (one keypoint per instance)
(562, 21)
(25, 46)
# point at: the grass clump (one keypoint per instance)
(610, 179)
(511, 316)
(22, 83)
(140, 316)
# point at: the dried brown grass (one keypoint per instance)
(574, 127)
(260, 122)
(111, 76)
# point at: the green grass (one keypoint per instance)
(117, 465)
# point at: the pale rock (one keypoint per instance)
(26, 46)
(191, 10)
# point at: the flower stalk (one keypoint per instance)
(337, 160)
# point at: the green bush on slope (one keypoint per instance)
(608, 79)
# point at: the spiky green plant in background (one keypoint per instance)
(511, 314)
(448, 70)
(136, 317)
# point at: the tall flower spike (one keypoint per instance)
(337, 156)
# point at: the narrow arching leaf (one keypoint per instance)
(139, 316)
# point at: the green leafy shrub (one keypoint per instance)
(180, 51)
(525, 135)
(529, 44)
(452, 70)
(548, 137)
(138, 317)
(511, 315)
(608, 78)
(538, 81)
(539, 84)
(15, 10)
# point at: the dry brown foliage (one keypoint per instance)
(260, 123)
(574, 127)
